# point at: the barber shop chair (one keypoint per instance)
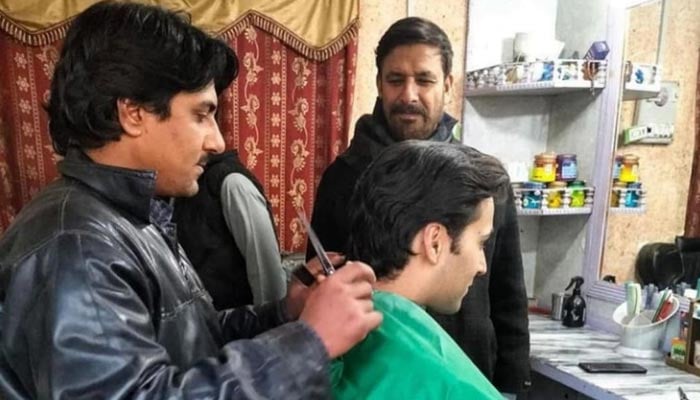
(668, 264)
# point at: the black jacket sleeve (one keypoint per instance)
(90, 334)
(330, 216)
(509, 306)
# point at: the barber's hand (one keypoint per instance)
(297, 291)
(340, 308)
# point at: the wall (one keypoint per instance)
(574, 128)
(664, 170)
(510, 128)
(375, 18)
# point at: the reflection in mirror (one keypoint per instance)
(663, 169)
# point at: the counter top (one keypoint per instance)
(556, 351)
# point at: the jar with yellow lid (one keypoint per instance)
(629, 170)
(555, 194)
(545, 168)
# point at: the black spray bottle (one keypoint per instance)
(574, 310)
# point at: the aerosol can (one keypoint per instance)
(574, 313)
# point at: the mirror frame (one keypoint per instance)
(602, 296)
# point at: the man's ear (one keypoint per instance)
(432, 235)
(131, 117)
(449, 81)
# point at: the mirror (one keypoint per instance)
(664, 169)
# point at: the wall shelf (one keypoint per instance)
(642, 81)
(628, 210)
(524, 196)
(636, 91)
(536, 78)
(554, 211)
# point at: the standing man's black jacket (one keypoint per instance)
(492, 325)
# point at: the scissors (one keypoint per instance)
(316, 243)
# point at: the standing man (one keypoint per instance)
(228, 233)
(97, 299)
(414, 62)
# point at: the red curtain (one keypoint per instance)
(27, 161)
(287, 115)
(692, 213)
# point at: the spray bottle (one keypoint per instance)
(574, 310)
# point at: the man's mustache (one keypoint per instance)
(408, 109)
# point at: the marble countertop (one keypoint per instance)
(556, 351)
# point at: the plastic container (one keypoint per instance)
(567, 167)
(532, 195)
(633, 194)
(545, 168)
(616, 167)
(555, 194)
(578, 193)
(629, 171)
(616, 191)
(642, 341)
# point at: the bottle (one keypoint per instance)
(574, 312)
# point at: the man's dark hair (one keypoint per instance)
(128, 51)
(411, 184)
(414, 30)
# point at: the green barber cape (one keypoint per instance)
(408, 357)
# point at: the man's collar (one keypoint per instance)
(129, 189)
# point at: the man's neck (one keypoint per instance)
(407, 284)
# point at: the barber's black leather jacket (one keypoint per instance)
(98, 301)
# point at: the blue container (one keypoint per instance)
(598, 51)
(532, 195)
(617, 165)
(632, 195)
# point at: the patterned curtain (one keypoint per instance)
(692, 213)
(288, 116)
(286, 113)
(27, 161)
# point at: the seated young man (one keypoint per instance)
(420, 215)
